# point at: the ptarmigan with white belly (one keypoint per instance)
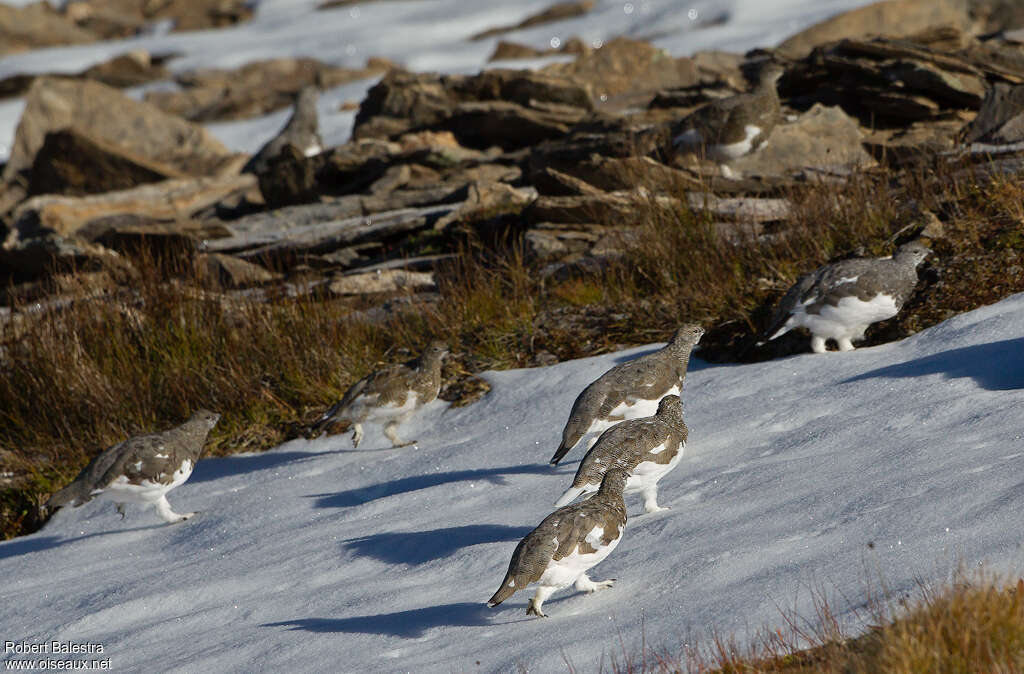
(389, 396)
(142, 469)
(839, 301)
(731, 127)
(648, 449)
(629, 391)
(567, 544)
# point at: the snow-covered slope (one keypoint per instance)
(315, 557)
(424, 35)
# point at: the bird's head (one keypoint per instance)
(687, 335)
(671, 405)
(206, 418)
(914, 253)
(436, 350)
(770, 73)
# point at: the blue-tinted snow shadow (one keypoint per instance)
(408, 624)
(996, 366)
(218, 467)
(354, 497)
(29, 544)
(418, 547)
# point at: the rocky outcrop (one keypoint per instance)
(821, 140)
(254, 89)
(1001, 118)
(170, 200)
(72, 163)
(623, 67)
(107, 116)
(507, 108)
(37, 25)
(889, 17)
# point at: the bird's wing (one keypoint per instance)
(577, 523)
(141, 456)
(848, 278)
(621, 446)
(534, 552)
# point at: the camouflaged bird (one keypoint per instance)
(142, 469)
(389, 396)
(567, 544)
(647, 449)
(630, 390)
(839, 301)
(731, 127)
(301, 131)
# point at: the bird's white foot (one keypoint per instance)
(119, 507)
(163, 508)
(817, 344)
(584, 584)
(543, 592)
(845, 344)
(357, 434)
(391, 433)
(651, 500)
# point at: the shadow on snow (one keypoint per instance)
(418, 547)
(409, 624)
(354, 497)
(996, 366)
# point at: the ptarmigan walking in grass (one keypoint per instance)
(389, 396)
(646, 448)
(630, 390)
(731, 127)
(563, 547)
(839, 301)
(142, 469)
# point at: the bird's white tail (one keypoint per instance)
(569, 496)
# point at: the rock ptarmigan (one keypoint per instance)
(566, 544)
(731, 127)
(630, 390)
(301, 131)
(646, 448)
(142, 469)
(389, 396)
(840, 300)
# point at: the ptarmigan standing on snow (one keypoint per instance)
(142, 469)
(630, 390)
(564, 546)
(839, 301)
(389, 396)
(646, 448)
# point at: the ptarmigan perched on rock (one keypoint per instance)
(646, 448)
(301, 131)
(839, 301)
(142, 469)
(389, 396)
(731, 127)
(564, 546)
(630, 390)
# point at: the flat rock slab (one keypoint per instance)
(106, 114)
(382, 281)
(822, 139)
(168, 200)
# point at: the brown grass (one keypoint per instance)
(972, 623)
(78, 378)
